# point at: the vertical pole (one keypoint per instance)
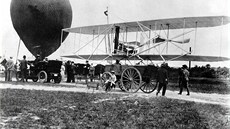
(80, 39)
(183, 33)
(167, 39)
(107, 8)
(112, 39)
(74, 42)
(149, 37)
(222, 22)
(18, 50)
(155, 34)
(126, 34)
(61, 41)
(189, 62)
(195, 38)
(93, 39)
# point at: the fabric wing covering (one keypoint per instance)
(152, 57)
(171, 23)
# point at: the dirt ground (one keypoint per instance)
(219, 99)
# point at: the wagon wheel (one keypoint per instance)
(42, 76)
(131, 79)
(105, 76)
(148, 87)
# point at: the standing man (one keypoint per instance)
(184, 79)
(86, 70)
(117, 68)
(72, 72)
(23, 68)
(37, 59)
(10, 69)
(91, 72)
(162, 79)
(3, 62)
(68, 71)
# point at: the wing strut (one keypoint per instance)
(94, 38)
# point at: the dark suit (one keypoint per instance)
(23, 68)
(162, 80)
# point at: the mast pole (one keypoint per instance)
(167, 39)
(18, 49)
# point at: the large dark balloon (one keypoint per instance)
(39, 23)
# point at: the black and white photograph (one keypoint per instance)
(115, 64)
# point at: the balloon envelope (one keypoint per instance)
(39, 23)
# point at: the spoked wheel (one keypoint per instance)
(42, 76)
(148, 86)
(105, 76)
(131, 79)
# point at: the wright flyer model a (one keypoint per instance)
(150, 39)
(141, 42)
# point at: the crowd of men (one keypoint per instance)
(69, 69)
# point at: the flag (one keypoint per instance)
(106, 13)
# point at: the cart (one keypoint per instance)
(133, 78)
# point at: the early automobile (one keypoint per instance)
(43, 71)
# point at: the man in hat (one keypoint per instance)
(111, 81)
(162, 79)
(10, 68)
(117, 68)
(23, 68)
(184, 79)
(38, 59)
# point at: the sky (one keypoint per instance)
(210, 41)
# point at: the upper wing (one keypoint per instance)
(171, 23)
(152, 57)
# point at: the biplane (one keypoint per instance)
(142, 42)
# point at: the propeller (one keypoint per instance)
(158, 40)
(182, 42)
(163, 40)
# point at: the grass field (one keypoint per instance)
(45, 109)
(205, 85)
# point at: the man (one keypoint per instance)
(10, 69)
(162, 79)
(23, 68)
(3, 62)
(111, 81)
(117, 69)
(91, 72)
(38, 59)
(68, 71)
(72, 72)
(184, 79)
(86, 68)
